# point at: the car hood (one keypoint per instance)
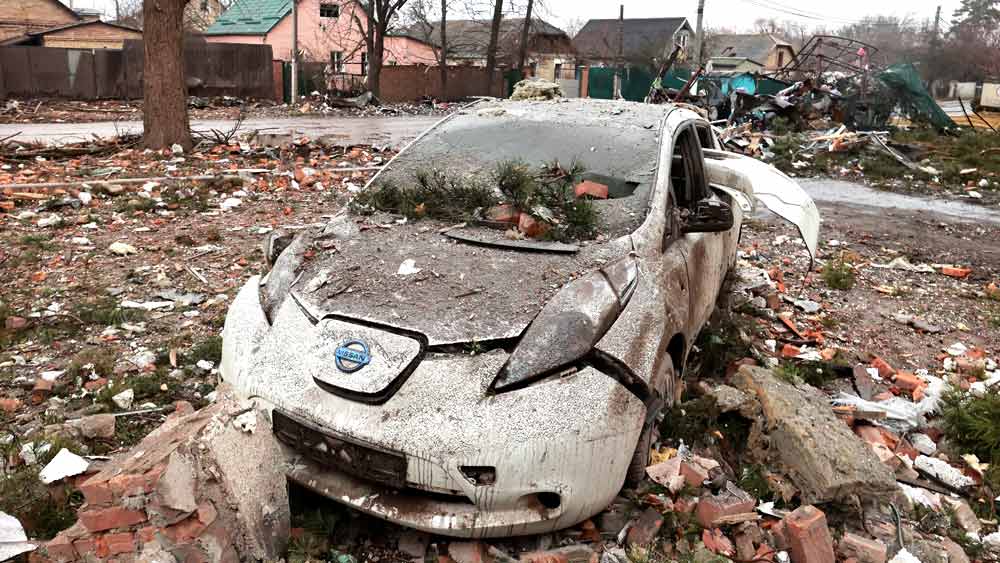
(413, 279)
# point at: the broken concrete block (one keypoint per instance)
(798, 432)
(863, 549)
(176, 488)
(943, 471)
(809, 539)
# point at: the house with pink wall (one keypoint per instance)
(330, 31)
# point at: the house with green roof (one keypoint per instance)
(328, 30)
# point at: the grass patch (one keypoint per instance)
(838, 274)
(105, 311)
(208, 349)
(99, 361)
(42, 512)
(690, 421)
(40, 242)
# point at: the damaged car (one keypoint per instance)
(481, 343)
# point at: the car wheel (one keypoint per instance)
(650, 431)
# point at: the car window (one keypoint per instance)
(687, 171)
(705, 136)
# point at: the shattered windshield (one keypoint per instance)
(567, 171)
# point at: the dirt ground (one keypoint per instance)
(107, 292)
(217, 108)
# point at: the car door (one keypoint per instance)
(704, 252)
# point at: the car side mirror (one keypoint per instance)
(708, 216)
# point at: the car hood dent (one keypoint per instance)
(451, 293)
(768, 185)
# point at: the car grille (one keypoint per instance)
(362, 461)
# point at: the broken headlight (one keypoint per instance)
(570, 324)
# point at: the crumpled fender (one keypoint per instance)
(741, 175)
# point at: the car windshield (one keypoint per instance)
(567, 170)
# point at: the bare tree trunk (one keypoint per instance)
(164, 89)
(523, 47)
(443, 58)
(491, 51)
(375, 64)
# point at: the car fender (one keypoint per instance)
(769, 186)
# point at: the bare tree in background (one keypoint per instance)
(573, 26)
(381, 15)
(164, 90)
(422, 21)
(491, 50)
(522, 48)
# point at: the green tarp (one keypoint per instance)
(906, 89)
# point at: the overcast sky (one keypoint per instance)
(737, 14)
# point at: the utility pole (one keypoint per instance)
(295, 52)
(937, 29)
(699, 53)
(620, 73)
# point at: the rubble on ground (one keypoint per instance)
(536, 89)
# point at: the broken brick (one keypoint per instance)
(95, 384)
(60, 548)
(954, 272)
(645, 529)
(863, 549)
(728, 502)
(505, 213)
(569, 554)
(532, 227)
(809, 539)
(15, 323)
(884, 369)
(910, 383)
(41, 391)
(9, 405)
(97, 492)
(591, 189)
(696, 470)
(123, 542)
(790, 351)
(716, 541)
(100, 519)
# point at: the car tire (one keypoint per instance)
(650, 431)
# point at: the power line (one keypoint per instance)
(796, 12)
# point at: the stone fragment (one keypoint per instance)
(578, 553)
(803, 437)
(963, 514)
(94, 426)
(176, 488)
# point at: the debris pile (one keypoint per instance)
(536, 89)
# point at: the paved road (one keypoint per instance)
(377, 130)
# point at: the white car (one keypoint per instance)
(467, 382)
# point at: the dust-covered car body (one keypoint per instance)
(465, 384)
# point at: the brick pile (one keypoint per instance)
(182, 495)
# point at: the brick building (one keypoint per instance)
(50, 23)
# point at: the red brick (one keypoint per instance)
(15, 323)
(147, 534)
(569, 554)
(127, 484)
(862, 549)
(956, 272)
(910, 383)
(713, 507)
(790, 351)
(192, 526)
(877, 435)
(123, 542)
(95, 384)
(716, 541)
(85, 546)
(100, 519)
(97, 492)
(809, 539)
(9, 405)
(591, 189)
(695, 470)
(60, 548)
(504, 214)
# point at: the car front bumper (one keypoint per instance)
(558, 450)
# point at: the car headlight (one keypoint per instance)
(570, 324)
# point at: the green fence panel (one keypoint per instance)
(512, 76)
(602, 83)
(636, 83)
